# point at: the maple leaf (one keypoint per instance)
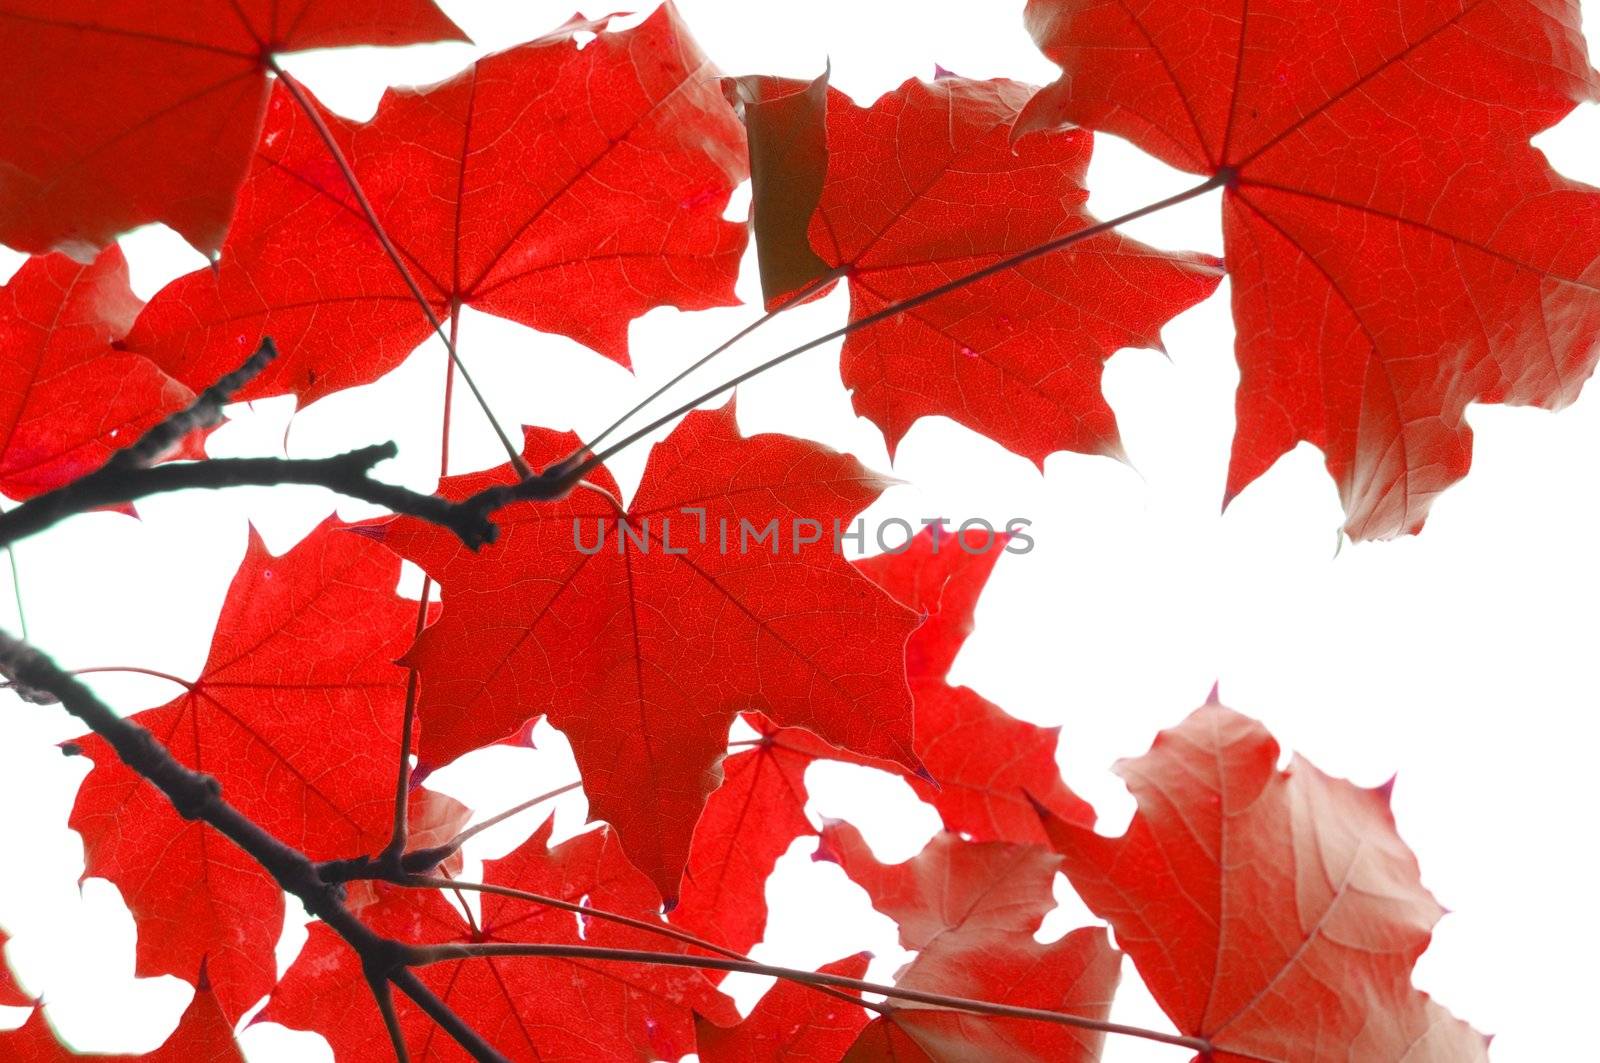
(525, 1007)
(1397, 248)
(1275, 914)
(988, 769)
(748, 823)
(791, 1023)
(970, 910)
(11, 994)
(69, 395)
(569, 190)
(297, 713)
(204, 1035)
(122, 112)
(643, 648)
(925, 186)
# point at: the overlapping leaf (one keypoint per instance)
(297, 713)
(555, 1011)
(970, 910)
(122, 112)
(791, 1023)
(748, 823)
(925, 186)
(11, 994)
(569, 190)
(204, 1035)
(1276, 914)
(642, 632)
(69, 395)
(1397, 248)
(985, 770)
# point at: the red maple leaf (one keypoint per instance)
(970, 910)
(11, 994)
(987, 769)
(204, 1035)
(792, 1023)
(528, 1008)
(1397, 248)
(748, 823)
(122, 112)
(641, 649)
(924, 186)
(70, 396)
(1276, 914)
(297, 713)
(569, 190)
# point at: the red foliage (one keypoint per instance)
(925, 185)
(1397, 249)
(672, 631)
(70, 395)
(1275, 913)
(529, 1009)
(567, 190)
(970, 910)
(122, 112)
(792, 1023)
(299, 719)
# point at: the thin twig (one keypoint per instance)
(401, 832)
(379, 984)
(791, 301)
(659, 929)
(559, 479)
(426, 954)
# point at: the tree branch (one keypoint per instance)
(422, 861)
(130, 473)
(197, 796)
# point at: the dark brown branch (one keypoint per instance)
(422, 861)
(347, 474)
(381, 992)
(197, 796)
(131, 474)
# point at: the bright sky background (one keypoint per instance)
(1463, 660)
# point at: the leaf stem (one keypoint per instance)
(426, 954)
(559, 479)
(400, 834)
(795, 300)
(303, 100)
(660, 929)
(893, 309)
(169, 677)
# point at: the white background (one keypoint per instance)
(1463, 660)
